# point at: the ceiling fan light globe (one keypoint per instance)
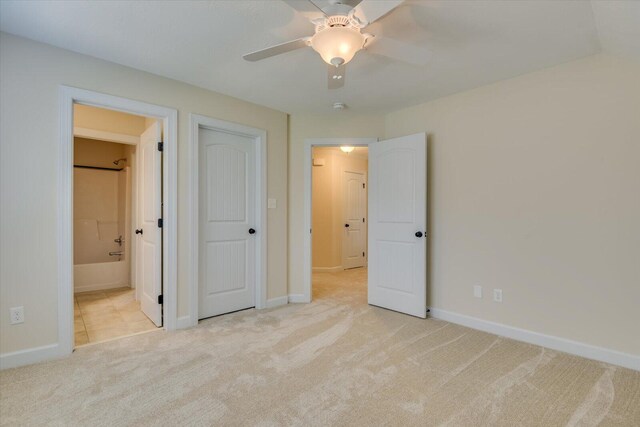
(337, 43)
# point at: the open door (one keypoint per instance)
(149, 232)
(397, 224)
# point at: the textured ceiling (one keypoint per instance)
(472, 43)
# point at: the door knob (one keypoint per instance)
(252, 231)
(139, 231)
(346, 225)
(418, 233)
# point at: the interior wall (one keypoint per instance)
(31, 74)
(86, 116)
(328, 210)
(343, 124)
(98, 201)
(534, 188)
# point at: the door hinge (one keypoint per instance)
(160, 299)
(362, 253)
(160, 146)
(362, 219)
(363, 185)
(159, 222)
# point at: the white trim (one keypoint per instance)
(169, 117)
(556, 343)
(306, 232)
(196, 122)
(278, 301)
(30, 355)
(100, 287)
(298, 298)
(335, 269)
(105, 136)
(184, 322)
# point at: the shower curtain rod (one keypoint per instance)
(97, 167)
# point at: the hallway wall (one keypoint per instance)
(328, 210)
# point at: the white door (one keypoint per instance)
(227, 229)
(148, 262)
(355, 227)
(397, 224)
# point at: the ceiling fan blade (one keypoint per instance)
(277, 49)
(369, 11)
(307, 8)
(394, 49)
(336, 76)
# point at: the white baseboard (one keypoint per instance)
(30, 356)
(99, 287)
(556, 343)
(298, 298)
(278, 301)
(336, 269)
(184, 322)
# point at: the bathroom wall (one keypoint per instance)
(99, 201)
(85, 116)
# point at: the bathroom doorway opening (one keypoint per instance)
(117, 241)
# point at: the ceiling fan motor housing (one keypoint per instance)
(337, 39)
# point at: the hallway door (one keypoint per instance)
(355, 227)
(397, 224)
(148, 262)
(227, 222)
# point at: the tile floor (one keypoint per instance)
(103, 315)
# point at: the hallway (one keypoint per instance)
(344, 285)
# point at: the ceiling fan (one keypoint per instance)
(338, 36)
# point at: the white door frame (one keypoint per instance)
(308, 159)
(259, 136)
(169, 117)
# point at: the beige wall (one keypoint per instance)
(92, 152)
(328, 210)
(534, 188)
(85, 116)
(99, 200)
(30, 77)
(336, 125)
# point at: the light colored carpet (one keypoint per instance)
(336, 361)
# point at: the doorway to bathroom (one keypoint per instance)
(117, 240)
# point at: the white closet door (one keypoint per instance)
(355, 227)
(149, 246)
(227, 214)
(397, 224)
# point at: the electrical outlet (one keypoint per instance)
(497, 295)
(17, 315)
(477, 291)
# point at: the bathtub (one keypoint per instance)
(102, 275)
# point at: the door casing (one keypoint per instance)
(69, 96)
(305, 297)
(259, 137)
